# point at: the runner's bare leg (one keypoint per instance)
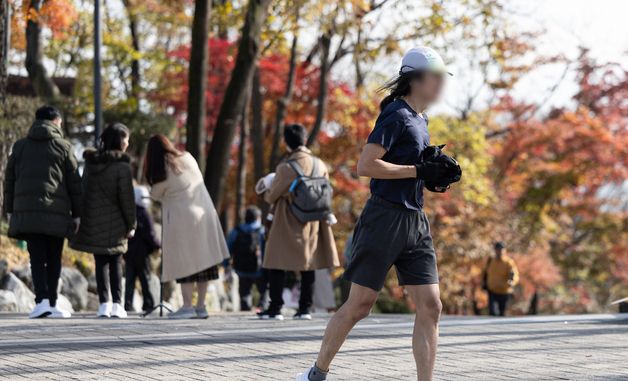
(426, 298)
(357, 307)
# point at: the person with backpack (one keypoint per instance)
(42, 199)
(246, 245)
(108, 215)
(300, 238)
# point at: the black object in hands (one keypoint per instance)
(437, 169)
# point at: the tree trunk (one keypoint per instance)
(257, 127)
(321, 106)
(359, 74)
(44, 86)
(222, 31)
(282, 104)
(234, 99)
(242, 158)
(197, 81)
(5, 30)
(136, 75)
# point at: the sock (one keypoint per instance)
(317, 374)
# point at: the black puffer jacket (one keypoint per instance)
(42, 186)
(108, 203)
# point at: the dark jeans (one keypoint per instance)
(137, 266)
(276, 280)
(245, 286)
(45, 253)
(497, 304)
(109, 275)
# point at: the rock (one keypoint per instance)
(91, 284)
(215, 293)
(74, 287)
(92, 302)
(4, 268)
(25, 275)
(64, 303)
(137, 301)
(176, 299)
(154, 287)
(8, 302)
(24, 298)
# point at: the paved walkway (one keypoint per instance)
(238, 347)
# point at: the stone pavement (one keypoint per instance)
(239, 347)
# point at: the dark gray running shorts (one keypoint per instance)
(388, 234)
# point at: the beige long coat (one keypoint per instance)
(192, 238)
(292, 245)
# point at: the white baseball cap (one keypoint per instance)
(422, 59)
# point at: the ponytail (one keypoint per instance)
(397, 87)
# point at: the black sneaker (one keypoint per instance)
(302, 315)
(270, 315)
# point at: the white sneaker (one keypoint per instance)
(302, 316)
(183, 313)
(118, 311)
(104, 310)
(42, 309)
(59, 313)
(303, 376)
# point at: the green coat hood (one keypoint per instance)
(44, 130)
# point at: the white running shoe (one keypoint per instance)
(271, 317)
(117, 311)
(104, 311)
(59, 313)
(303, 376)
(183, 313)
(42, 309)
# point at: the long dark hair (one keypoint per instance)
(398, 87)
(159, 154)
(112, 136)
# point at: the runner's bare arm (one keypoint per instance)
(372, 165)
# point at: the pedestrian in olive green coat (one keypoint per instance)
(109, 214)
(42, 186)
(42, 192)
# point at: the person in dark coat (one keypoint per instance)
(246, 245)
(42, 193)
(109, 214)
(141, 246)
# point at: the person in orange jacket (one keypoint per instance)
(500, 277)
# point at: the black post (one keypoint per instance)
(97, 73)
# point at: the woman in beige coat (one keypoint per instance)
(193, 243)
(293, 245)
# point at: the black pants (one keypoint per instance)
(109, 275)
(137, 266)
(276, 280)
(497, 304)
(245, 286)
(45, 253)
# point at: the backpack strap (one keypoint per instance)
(296, 167)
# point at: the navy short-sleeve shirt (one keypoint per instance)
(403, 133)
